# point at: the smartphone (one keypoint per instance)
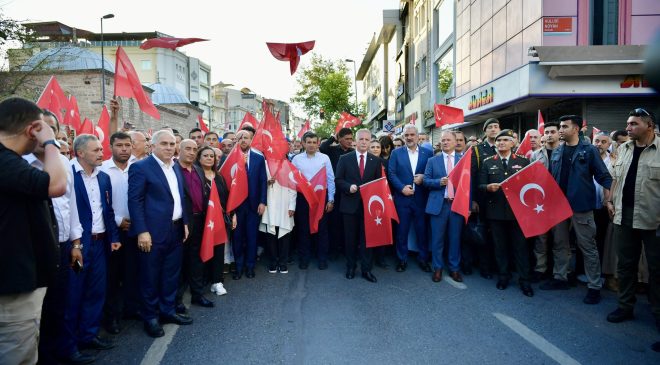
(77, 266)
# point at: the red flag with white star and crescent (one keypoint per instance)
(536, 200)
(235, 173)
(379, 210)
(215, 231)
(347, 120)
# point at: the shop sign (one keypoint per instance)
(388, 126)
(557, 25)
(484, 97)
(634, 81)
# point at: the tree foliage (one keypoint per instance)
(325, 85)
(12, 30)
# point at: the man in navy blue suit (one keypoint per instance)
(85, 290)
(406, 174)
(156, 205)
(446, 226)
(248, 214)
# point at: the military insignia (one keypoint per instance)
(516, 167)
(494, 167)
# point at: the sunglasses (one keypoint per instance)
(639, 112)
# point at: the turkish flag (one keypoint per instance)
(269, 138)
(102, 131)
(595, 132)
(541, 123)
(234, 171)
(445, 115)
(53, 99)
(304, 129)
(320, 188)
(303, 186)
(460, 177)
(536, 200)
(72, 117)
(379, 210)
(347, 120)
(86, 127)
(248, 118)
(584, 123)
(127, 83)
(202, 125)
(525, 147)
(169, 42)
(290, 52)
(215, 231)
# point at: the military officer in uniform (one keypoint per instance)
(502, 222)
(481, 152)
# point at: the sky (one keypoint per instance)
(238, 31)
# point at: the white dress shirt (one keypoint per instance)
(451, 157)
(64, 207)
(93, 194)
(413, 156)
(357, 155)
(310, 166)
(119, 181)
(170, 175)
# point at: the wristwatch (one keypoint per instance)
(54, 142)
(78, 246)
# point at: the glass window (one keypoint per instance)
(146, 65)
(605, 22)
(204, 94)
(203, 76)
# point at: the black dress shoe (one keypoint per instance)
(502, 284)
(401, 266)
(467, 269)
(180, 308)
(237, 275)
(77, 358)
(425, 267)
(176, 319)
(249, 273)
(382, 264)
(153, 329)
(202, 302)
(486, 275)
(367, 275)
(112, 327)
(527, 290)
(620, 315)
(97, 343)
(350, 273)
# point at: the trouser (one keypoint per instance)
(508, 237)
(602, 221)
(19, 338)
(52, 311)
(356, 244)
(446, 229)
(336, 235)
(305, 236)
(123, 296)
(159, 274)
(192, 267)
(217, 262)
(278, 248)
(628, 243)
(84, 296)
(411, 216)
(245, 237)
(585, 231)
(541, 253)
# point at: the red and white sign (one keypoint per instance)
(557, 25)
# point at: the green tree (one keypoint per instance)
(325, 85)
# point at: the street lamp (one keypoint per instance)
(354, 82)
(107, 16)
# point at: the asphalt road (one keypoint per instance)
(320, 317)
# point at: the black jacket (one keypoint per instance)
(333, 152)
(492, 171)
(348, 173)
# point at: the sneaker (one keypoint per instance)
(283, 269)
(593, 296)
(214, 288)
(554, 284)
(272, 268)
(220, 289)
(619, 315)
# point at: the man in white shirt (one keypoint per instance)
(139, 146)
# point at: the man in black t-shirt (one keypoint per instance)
(28, 249)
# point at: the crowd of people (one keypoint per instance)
(89, 243)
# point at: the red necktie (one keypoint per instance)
(361, 166)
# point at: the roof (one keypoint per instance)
(67, 58)
(164, 94)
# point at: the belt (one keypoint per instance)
(197, 214)
(98, 236)
(177, 221)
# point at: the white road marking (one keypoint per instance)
(159, 346)
(537, 340)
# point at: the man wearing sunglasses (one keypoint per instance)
(635, 208)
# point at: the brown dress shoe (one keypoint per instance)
(456, 276)
(437, 275)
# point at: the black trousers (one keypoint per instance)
(355, 242)
(335, 219)
(508, 237)
(122, 297)
(192, 268)
(52, 315)
(278, 248)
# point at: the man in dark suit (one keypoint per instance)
(406, 174)
(353, 170)
(446, 226)
(85, 290)
(248, 214)
(503, 224)
(156, 205)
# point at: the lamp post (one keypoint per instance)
(354, 83)
(107, 16)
